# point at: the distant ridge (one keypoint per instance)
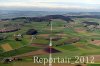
(5, 14)
(45, 18)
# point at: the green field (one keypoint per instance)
(82, 47)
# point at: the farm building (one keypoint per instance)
(4, 30)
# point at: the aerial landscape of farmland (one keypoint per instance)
(49, 33)
(24, 37)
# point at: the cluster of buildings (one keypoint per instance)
(4, 30)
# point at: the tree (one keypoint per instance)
(31, 32)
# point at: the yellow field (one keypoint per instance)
(6, 47)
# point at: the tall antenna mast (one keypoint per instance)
(50, 47)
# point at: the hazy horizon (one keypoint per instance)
(51, 5)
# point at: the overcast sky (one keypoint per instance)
(51, 4)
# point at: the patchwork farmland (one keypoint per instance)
(70, 37)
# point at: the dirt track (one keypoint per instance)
(38, 52)
(39, 45)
